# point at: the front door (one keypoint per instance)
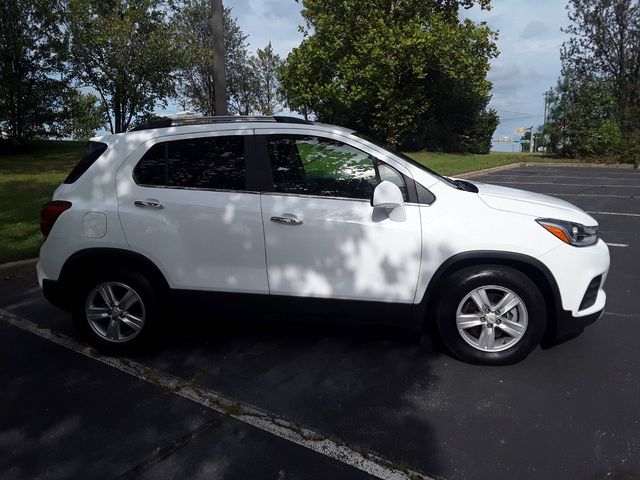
(184, 204)
(323, 237)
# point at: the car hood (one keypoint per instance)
(530, 203)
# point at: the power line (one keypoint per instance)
(521, 118)
(511, 111)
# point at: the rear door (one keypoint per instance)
(186, 204)
(323, 237)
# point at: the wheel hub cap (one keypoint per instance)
(491, 318)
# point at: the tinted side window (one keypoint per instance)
(206, 163)
(96, 149)
(425, 197)
(392, 175)
(320, 166)
(152, 167)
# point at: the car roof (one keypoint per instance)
(199, 125)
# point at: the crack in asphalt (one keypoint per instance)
(168, 450)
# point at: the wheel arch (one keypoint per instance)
(84, 261)
(533, 268)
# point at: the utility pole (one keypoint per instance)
(544, 129)
(531, 139)
(219, 74)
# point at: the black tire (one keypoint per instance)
(148, 298)
(461, 283)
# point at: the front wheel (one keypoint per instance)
(491, 314)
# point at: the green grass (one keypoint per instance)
(26, 183)
(455, 164)
(28, 180)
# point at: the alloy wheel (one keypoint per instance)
(115, 312)
(492, 318)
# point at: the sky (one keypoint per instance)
(529, 43)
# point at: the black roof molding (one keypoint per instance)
(286, 119)
(166, 122)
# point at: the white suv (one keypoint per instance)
(268, 213)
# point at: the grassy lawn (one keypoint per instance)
(455, 164)
(26, 183)
(28, 180)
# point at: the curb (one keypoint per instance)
(623, 166)
(485, 171)
(20, 263)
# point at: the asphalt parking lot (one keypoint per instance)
(262, 400)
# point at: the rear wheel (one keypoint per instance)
(491, 314)
(117, 310)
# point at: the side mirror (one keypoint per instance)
(387, 195)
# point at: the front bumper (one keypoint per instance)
(573, 269)
(568, 326)
(580, 303)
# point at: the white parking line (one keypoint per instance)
(366, 461)
(616, 213)
(565, 184)
(628, 315)
(623, 245)
(563, 176)
(589, 195)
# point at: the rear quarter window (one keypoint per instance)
(95, 150)
(207, 163)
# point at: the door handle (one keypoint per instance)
(148, 203)
(287, 219)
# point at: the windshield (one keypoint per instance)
(406, 158)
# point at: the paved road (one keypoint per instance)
(567, 412)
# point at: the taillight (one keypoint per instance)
(50, 213)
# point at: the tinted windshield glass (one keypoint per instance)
(404, 157)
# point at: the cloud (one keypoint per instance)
(511, 76)
(529, 63)
(265, 21)
(535, 29)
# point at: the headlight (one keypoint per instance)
(572, 233)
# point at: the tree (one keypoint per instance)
(267, 65)
(243, 88)
(196, 79)
(83, 115)
(395, 69)
(31, 87)
(583, 118)
(457, 120)
(125, 50)
(604, 50)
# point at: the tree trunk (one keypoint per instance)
(217, 12)
(117, 114)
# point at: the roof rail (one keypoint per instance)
(288, 119)
(166, 122)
